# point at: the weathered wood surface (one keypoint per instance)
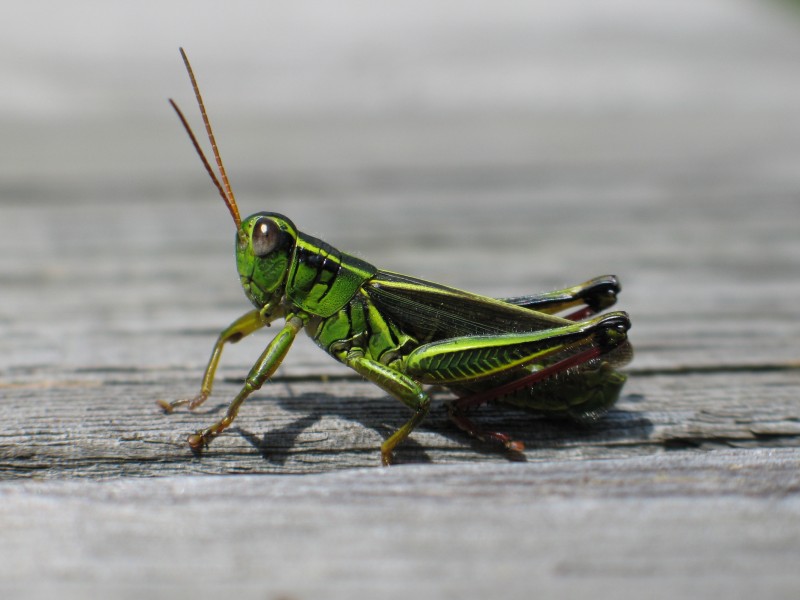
(505, 151)
(720, 524)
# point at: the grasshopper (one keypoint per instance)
(403, 333)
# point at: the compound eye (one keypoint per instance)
(266, 235)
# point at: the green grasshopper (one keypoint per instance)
(403, 333)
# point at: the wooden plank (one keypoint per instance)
(657, 525)
(506, 151)
(106, 424)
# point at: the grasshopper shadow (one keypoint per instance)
(547, 435)
(278, 444)
(384, 415)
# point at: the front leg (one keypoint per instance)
(241, 327)
(267, 364)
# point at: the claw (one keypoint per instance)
(499, 437)
(167, 407)
(197, 441)
(515, 446)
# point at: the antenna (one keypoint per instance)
(226, 192)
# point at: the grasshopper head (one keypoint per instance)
(264, 246)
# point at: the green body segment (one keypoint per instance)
(312, 275)
(472, 358)
(321, 279)
(361, 325)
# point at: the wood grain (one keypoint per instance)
(691, 521)
(505, 151)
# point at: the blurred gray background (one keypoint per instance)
(296, 85)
